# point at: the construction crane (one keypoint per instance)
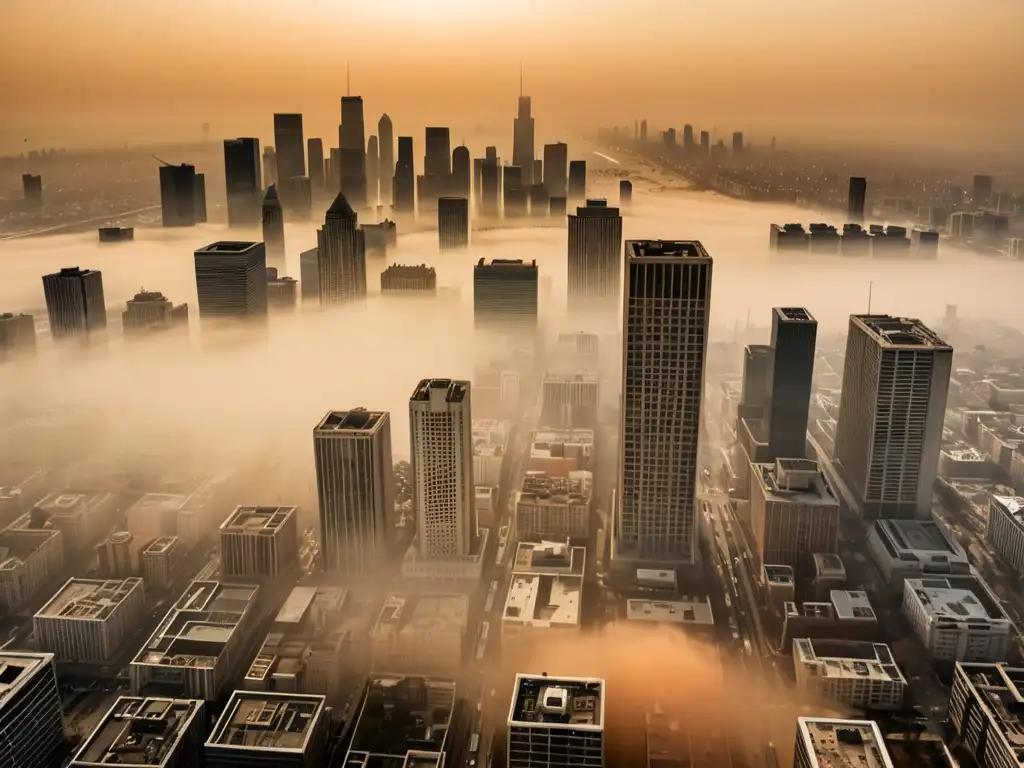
(163, 162)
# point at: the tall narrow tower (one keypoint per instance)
(273, 230)
(342, 263)
(352, 151)
(595, 255)
(386, 142)
(791, 363)
(522, 136)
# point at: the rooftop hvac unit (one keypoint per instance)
(554, 700)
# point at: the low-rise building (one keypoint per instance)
(138, 731)
(559, 452)
(31, 552)
(825, 742)
(556, 721)
(186, 515)
(829, 574)
(421, 633)
(88, 619)
(159, 562)
(570, 400)
(957, 618)
(779, 584)
(846, 615)
(544, 593)
(259, 542)
(986, 710)
(490, 441)
(911, 549)
(30, 711)
(199, 646)
(554, 507)
(419, 740)
(270, 730)
(691, 614)
(964, 462)
(852, 673)
(1005, 529)
(81, 516)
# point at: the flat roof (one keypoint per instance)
(807, 486)
(852, 604)
(18, 542)
(17, 668)
(573, 703)
(829, 565)
(538, 487)
(266, 722)
(356, 420)
(666, 250)
(965, 453)
(694, 611)
(848, 659)
(158, 504)
(794, 315)
(549, 557)
(833, 742)
(411, 615)
(72, 503)
(909, 540)
(1013, 506)
(900, 332)
(957, 598)
(140, 731)
(252, 520)
(778, 574)
(455, 391)
(160, 545)
(228, 246)
(542, 600)
(89, 599)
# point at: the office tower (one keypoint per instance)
(409, 280)
(258, 543)
(513, 191)
(17, 333)
(538, 171)
(243, 180)
(791, 369)
(478, 182)
(352, 151)
(522, 140)
(666, 310)
(30, 711)
(386, 143)
(88, 619)
(889, 433)
(231, 280)
(199, 198)
(146, 731)
(595, 247)
(577, 180)
(372, 172)
(643, 131)
(490, 183)
(273, 229)
(178, 195)
(461, 168)
(737, 142)
(356, 489)
(282, 291)
(32, 186)
(705, 142)
(856, 198)
(342, 263)
(688, 142)
(74, 302)
(296, 193)
(315, 150)
(570, 400)
(453, 222)
(505, 295)
(441, 436)
(539, 200)
(309, 274)
(556, 168)
(290, 146)
(405, 177)
(269, 166)
(668, 138)
(437, 168)
(557, 722)
(982, 195)
(625, 193)
(152, 311)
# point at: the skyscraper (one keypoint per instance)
(315, 150)
(405, 177)
(32, 187)
(386, 142)
(705, 143)
(199, 198)
(577, 180)
(355, 488)
(231, 280)
(556, 721)
(522, 140)
(269, 167)
(441, 436)
(290, 146)
(505, 295)
(437, 167)
(666, 311)
(737, 142)
(453, 222)
(352, 151)
(856, 198)
(74, 302)
(643, 131)
(791, 369)
(513, 191)
(17, 333)
(893, 402)
(243, 180)
(273, 229)
(595, 247)
(152, 311)
(178, 195)
(372, 172)
(490, 186)
(688, 142)
(556, 168)
(625, 193)
(342, 263)
(982, 194)
(461, 170)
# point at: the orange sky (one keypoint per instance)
(124, 70)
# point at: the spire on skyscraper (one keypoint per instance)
(340, 206)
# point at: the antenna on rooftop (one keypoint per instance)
(871, 285)
(348, 81)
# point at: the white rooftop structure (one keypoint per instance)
(835, 743)
(851, 604)
(540, 601)
(848, 659)
(89, 599)
(549, 557)
(695, 612)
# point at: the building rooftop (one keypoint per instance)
(829, 566)
(538, 487)
(256, 520)
(562, 443)
(796, 481)
(1011, 505)
(158, 504)
(543, 600)
(160, 545)
(692, 612)
(72, 503)
(73, 272)
(899, 332)
(835, 743)
(455, 391)
(20, 540)
(507, 264)
(666, 249)
(794, 315)
(779, 575)
(916, 540)
(403, 723)
(851, 604)
(17, 668)
(411, 615)
(1000, 689)
(140, 731)
(549, 557)
(490, 437)
(577, 703)
(267, 722)
(89, 599)
(957, 598)
(410, 270)
(356, 420)
(848, 659)
(965, 453)
(227, 246)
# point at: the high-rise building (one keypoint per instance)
(490, 186)
(372, 172)
(459, 185)
(386, 142)
(342, 262)
(151, 311)
(570, 400)
(259, 543)
(290, 146)
(557, 722)
(409, 280)
(705, 142)
(437, 167)
(595, 248)
(453, 222)
(309, 274)
(88, 619)
(74, 302)
(269, 166)
(17, 333)
(356, 489)
(893, 402)
(737, 142)
(315, 151)
(982, 191)
(540, 201)
(513, 190)
(791, 369)
(827, 742)
(505, 295)
(273, 229)
(522, 140)
(30, 710)
(666, 311)
(405, 177)
(282, 291)
(32, 187)
(688, 143)
(643, 131)
(625, 193)
(199, 198)
(270, 729)
(577, 180)
(478, 183)
(856, 198)
(231, 280)
(441, 434)
(178, 187)
(352, 151)
(243, 180)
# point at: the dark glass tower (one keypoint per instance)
(857, 197)
(405, 177)
(791, 368)
(244, 180)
